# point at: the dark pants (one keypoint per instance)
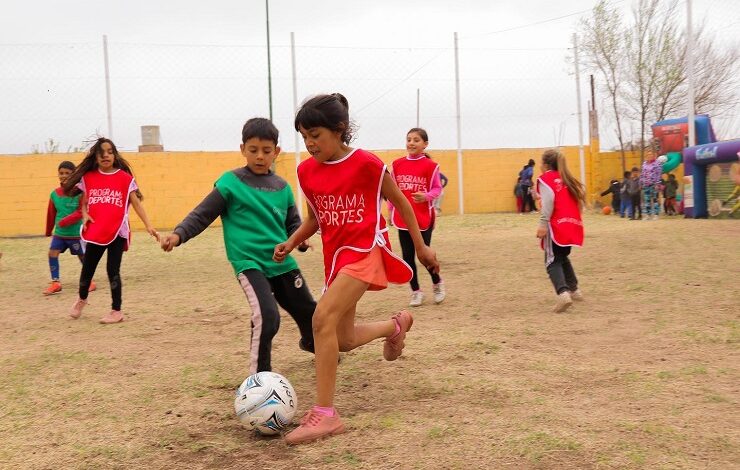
(669, 205)
(636, 204)
(527, 200)
(615, 205)
(561, 272)
(409, 254)
(93, 255)
(291, 292)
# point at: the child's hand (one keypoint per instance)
(541, 232)
(281, 251)
(304, 246)
(85, 220)
(153, 232)
(428, 258)
(419, 196)
(169, 242)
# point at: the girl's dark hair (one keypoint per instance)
(90, 163)
(329, 111)
(555, 160)
(422, 133)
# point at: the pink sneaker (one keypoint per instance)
(115, 316)
(314, 426)
(77, 308)
(394, 344)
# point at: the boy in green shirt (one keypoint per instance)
(257, 211)
(63, 219)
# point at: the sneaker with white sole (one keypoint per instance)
(417, 297)
(577, 295)
(564, 302)
(439, 292)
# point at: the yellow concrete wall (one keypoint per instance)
(174, 182)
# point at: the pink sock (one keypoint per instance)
(325, 410)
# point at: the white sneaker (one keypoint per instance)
(439, 292)
(577, 295)
(564, 302)
(417, 297)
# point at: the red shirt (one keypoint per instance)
(345, 198)
(566, 225)
(413, 174)
(107, 196)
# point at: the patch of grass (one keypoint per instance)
(633, 451)
(389, 421)
(537, 445)
(439, 432)
(697, 369)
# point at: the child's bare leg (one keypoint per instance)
(341, 298)
(351, 336)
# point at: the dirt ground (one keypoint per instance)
(643, 374)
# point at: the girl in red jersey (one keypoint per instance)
(344, 188)
(417, 176)
(108, 187)
(561, 226)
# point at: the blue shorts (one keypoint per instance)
(61, 244)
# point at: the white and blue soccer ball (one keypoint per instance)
(265, 402)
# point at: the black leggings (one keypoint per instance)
(93, 255)
(409, 254)
(291, 292)
(561, 272)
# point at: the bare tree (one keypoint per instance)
(602, 42)
(643, 65)
(715, 79)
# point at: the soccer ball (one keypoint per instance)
(265, 402)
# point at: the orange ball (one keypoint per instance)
(606, 210)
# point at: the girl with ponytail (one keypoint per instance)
(561, 226)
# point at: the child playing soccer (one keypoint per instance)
(63, 219)
(107, 184)
(257, 210)
(344, 188)
(560, 225)
(417, 176)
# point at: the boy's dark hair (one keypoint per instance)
(261, 128)
(67, 165)
(530, 162)
(329, 111)
(634, 168)
(627, 174)
(671, 176)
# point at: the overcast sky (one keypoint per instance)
(199, 69)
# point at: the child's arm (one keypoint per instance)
(139, 208)
(74, 217)
(51, 214)
(292, 222)
(547, 201)
(434, 191)
(309, 226)
(85, 215)
(425, 254)
(211, 207)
